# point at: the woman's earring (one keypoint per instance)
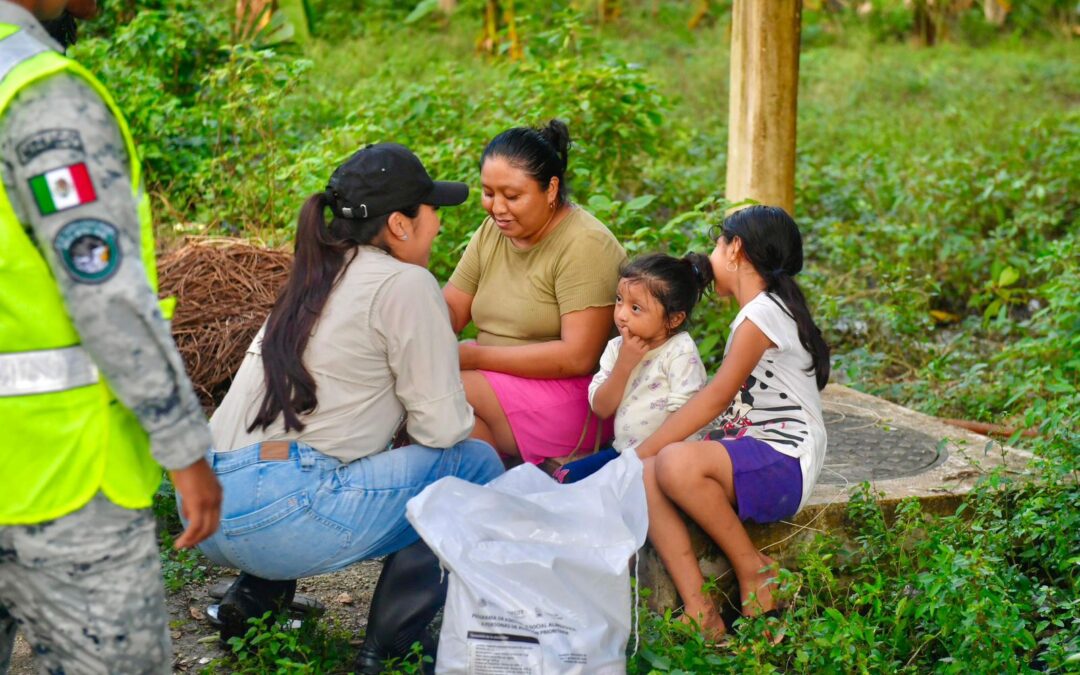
(551, 206)
(732, 266)
(404, 237)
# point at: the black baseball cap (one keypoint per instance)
(387, 177)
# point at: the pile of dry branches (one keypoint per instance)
(225, 289)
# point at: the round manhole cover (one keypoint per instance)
(862, 447)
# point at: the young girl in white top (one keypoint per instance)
(653, 366)
(763, 461)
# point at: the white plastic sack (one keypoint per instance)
(539, 578)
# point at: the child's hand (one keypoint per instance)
(633, 348)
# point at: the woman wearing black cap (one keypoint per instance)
(357, 347)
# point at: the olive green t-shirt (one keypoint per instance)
(520, 295)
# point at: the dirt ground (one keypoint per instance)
(345, 594)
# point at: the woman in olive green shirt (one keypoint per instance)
(538, 279)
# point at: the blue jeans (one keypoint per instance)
(311, 514)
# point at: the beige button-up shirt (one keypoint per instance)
(382, 351)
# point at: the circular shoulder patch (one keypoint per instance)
(88, 249)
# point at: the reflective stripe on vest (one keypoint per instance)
(17, 48)
(46, 371)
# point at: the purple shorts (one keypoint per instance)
(548, 416)
(768, 483)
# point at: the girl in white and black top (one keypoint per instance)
(779, 404)
(761, 462)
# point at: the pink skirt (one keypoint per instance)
(548, 416)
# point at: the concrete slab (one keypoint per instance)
(902, 453)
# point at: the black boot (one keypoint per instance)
(251, 597)
(411, 590)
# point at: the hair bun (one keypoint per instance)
(702, 267)
(558, 134)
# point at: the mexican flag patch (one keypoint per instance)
(63, 188)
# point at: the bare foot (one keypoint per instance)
(757, 594)
(757, 591)
(707, 620)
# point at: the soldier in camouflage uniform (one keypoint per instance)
(84, 583)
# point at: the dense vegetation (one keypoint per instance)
(938, 190)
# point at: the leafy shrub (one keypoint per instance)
(154, 65)
(275, 644)
(616, 117)
(204, 112)
(247, 146)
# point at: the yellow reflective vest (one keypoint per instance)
(64, 434)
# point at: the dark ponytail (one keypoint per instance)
(701, 267)
(542, 152)
(772, 243)
(320, 257)
(676, 283)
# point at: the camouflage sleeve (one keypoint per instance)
(65, 169)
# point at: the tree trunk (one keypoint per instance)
(925, 29)
(764, 93)
(996, 11)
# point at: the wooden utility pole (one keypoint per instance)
(764, 92)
